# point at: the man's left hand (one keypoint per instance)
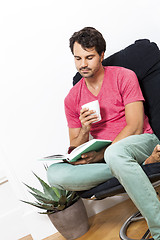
(90, 157)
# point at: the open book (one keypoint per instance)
(92, 145)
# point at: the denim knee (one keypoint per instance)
(109, 155)
(117, 156)
(56, 176)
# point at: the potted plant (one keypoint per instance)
(64, 208)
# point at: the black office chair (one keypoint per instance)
(143, 57)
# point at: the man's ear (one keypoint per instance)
(102, 56)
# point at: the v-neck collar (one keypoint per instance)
(99, 90)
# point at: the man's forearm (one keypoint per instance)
(127, 131)
(80, 139)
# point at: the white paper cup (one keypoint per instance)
(94, 105)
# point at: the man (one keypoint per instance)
(123, 121)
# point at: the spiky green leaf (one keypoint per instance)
(47, 207)
(33, 204)
(63, 192)
(47, 212)
(61, 207)
(45, 166)
(73, 197)
(38, 192)
(68, 193)
(43, 199)
(49, 191)
(57, 191)
(63, 200)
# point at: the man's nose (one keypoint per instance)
(84, 63)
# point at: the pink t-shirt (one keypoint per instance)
(120, 86)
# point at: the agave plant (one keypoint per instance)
(51, 199)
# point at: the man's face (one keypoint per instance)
(88, 62)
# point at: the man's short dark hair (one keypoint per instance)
(89, 37)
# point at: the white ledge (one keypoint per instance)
(3, 180)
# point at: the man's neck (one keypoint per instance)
(96, 80)
(94, 83)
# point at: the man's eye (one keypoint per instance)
(78, 59)
(90, 58)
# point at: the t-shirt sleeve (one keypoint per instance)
(129, 88)
(71, 112)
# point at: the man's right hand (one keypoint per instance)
(80, 135)
(87, 117)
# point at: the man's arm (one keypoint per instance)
(134, 114)
(79, 136)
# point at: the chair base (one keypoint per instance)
(123, 231)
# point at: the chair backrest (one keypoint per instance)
(143, 57)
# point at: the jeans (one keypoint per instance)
(123, 160)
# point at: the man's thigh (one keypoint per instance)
(78, 177)
(137, 147)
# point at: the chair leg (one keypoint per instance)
(123, 231)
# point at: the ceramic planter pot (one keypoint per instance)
(71, 222)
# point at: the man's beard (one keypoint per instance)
(88, 73)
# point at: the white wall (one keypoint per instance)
(36, 70)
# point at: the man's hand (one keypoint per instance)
(91, 157)
(155, 156)
(87, 117)
(80, 135)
